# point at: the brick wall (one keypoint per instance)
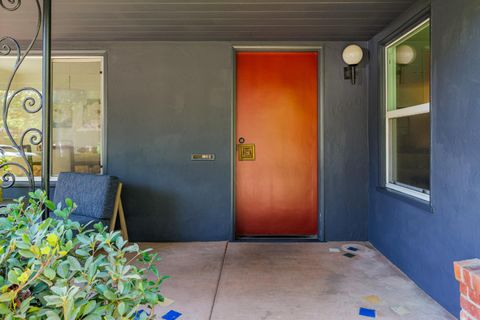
(467, 272)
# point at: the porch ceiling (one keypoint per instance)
(232, 20)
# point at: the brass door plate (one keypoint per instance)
(246, 152)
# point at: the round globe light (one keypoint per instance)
(352, 55)
(405, 54)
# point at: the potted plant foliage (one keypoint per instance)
(55, 268)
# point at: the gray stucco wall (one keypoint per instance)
(346, 139)
(169, 99)
(166, 101)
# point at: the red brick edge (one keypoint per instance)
(467, 272)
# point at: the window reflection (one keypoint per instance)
(411, 151)
(77, 113)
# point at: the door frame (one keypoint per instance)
(320, 236)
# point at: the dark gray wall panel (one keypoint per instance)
(169, 99)
(165, 102)
(346, 145)
(421, 243)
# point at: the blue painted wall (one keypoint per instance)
(424, 244)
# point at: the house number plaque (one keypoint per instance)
(203, 157)
(246, 152)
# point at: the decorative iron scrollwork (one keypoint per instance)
(10, 5)
(31, 104)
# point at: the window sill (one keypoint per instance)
(418, 203)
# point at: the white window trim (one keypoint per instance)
(409, 111)
(400, 113)
(409, 191)
(406, 35)
(395, 114)
(79, 58)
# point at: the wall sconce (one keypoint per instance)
(352, 55)
(405, 55)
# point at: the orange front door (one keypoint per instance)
(276, 111)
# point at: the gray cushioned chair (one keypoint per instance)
(97, 198)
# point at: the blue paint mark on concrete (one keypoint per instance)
(171, 315)
(367, 312)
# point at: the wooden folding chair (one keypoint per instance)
(118, 212)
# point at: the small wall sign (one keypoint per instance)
(203, 157)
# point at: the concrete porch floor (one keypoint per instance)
(276, 281)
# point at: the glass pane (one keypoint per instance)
(28, 75)
(77, 116)
(410, 151)
(408, 70)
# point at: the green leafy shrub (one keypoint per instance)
(58, 269)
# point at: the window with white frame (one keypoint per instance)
(77, 111)
(407, 104)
